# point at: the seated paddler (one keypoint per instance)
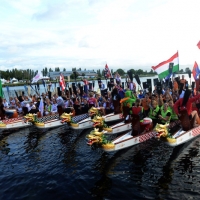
(165, 114)
(137, 109)
(154, 112)
(185, 103)
(127, 102)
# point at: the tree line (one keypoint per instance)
(29, 73)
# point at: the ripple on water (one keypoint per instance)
(57, 164)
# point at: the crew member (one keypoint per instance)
(185, 103)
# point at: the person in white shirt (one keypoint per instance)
(54, 108)
(5, 103)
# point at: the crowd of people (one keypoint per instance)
(161, 105)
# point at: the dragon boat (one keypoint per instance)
(49, 121)
(184, 134)
(99, 122)
(18, 122)
(84, 121)
(137, 135)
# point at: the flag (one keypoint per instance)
(170, 71)
(41, 107)
(198, 44)
(195, 71)
(1, 89)
(37, 77)
(62, 82)
(163, 69)
(107, 73)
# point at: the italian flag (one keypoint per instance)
(162, 69)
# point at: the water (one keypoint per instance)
(57, 164)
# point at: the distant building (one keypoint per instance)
(87, 73)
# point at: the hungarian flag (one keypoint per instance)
(62, 82)
(198, 44)
(195, 71)
(167, 67)
(107, 73)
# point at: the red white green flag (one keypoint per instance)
(163, 69)
(198, 44)
(62, 82)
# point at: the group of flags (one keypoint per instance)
(166, 68)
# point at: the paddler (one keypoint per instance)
(154, 112)
(128, 101)
(185, 103)
(137, 109)
(165, 114)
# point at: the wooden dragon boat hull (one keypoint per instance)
(87, 123)
(14, 123)
(127, 140)
(49, 121)
(84, 124)
(113, 117)
(49, 124)
(118, 128)
(181, 137)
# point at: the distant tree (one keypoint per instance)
(151, 71)
(64, 70)
(99, 73)
(121, 72)
(103, 73)
(140, 71)
(72, 76)
(83, 74)
(187, 69)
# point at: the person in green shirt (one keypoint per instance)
(154, 112)
(165, 114)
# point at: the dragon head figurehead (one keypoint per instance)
(30, 117)
(66, 117)
(93, 111)
(94, 137)
(162, 130)
(98, 121)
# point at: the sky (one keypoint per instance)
(87, 34)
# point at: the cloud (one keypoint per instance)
(88, 33)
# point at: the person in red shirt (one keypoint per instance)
(92, 102)
(185, 103)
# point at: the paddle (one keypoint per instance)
(138, 80)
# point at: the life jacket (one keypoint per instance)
(174, 116)
(164, 114)
(156, 110)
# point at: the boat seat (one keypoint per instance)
(186, 123)
(136, 129)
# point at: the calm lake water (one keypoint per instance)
(57, 164)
